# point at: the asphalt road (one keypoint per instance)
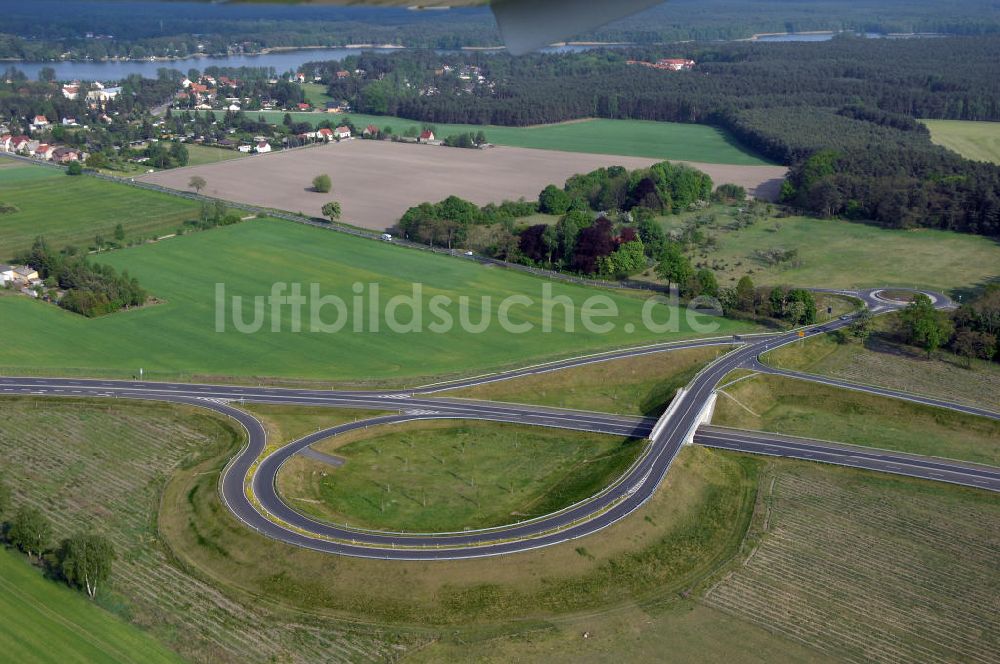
(271, 516)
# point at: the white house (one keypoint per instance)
(6, 274)
(341, 133)
(71, 91)
(70, 122)
(5, 142)
(263, 147)
(245, 148)
(39, 123)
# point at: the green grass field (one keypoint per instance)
(842, 254)
(178, 338)
(198, 155)
(44, 621)
(979, 141)
(316, 94)
(627, 138)
(802, 408)
(72, 210)
(450, 476)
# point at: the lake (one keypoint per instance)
(282, 61)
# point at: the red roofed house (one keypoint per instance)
(40, 122)
(303, 106)
(426, 136)
(44, 151)
(325, 133)
(371, 130)
(19, 144)
(341, 132)
(5, 141)
(343, 73)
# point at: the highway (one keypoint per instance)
(247, 486)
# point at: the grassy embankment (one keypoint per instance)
(449, 476)
(979, 141)
(886, 363)
(802, 408)
(72, 210)
(628, 138)
(178, 338)
(641, 385)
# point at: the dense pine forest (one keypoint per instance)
(841, 113)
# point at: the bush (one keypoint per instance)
(322, 184)
(74, 168)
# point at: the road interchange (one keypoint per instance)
(248, 488)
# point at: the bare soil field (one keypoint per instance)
(377, 181)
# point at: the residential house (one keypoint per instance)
(70, 122)
(343, 73)
(6, 274)
(426, 136)
(371, 131)
(40, 123)
(245, 148)
(44, 151)
(340, 133)
(20, 144)
(103, 94)
(675, 64)
(263, 147)
(65, 155)
(24, 274)
(5, 142)
(325, 133)
(303, 106)
(71, 90)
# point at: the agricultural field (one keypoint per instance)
(630, 138)
(377, 181)
(72, 210)
(885, 363)
(452, 475)
(802, 408)
(979, 141)
(44, 621)
(832, 253)
(177, 338)
(866, 567)
(642, 385)
(89, 464)
(199, 155)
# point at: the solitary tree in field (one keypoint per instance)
(332, 210)
(74, 168)
(85, 561)
(119, 233)
(322, 184)
(29, 531)
(197, 183)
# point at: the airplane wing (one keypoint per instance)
(528, 25)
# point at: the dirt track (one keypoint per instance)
(376, 181)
